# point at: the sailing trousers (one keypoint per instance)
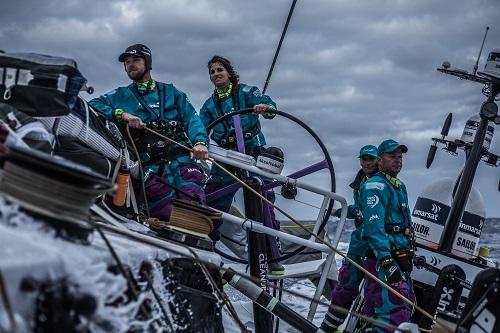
(387, 307)
(344, 294)
(180, 178)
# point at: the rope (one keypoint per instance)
(158, 300)
(190, 220)
(214, 285)
(219, 292)
(319, 239)
(121, 268)
(141, 171)
(44, 194)
(302, 202)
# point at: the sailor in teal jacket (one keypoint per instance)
(226, 100)
(176, 108)
(350, 277)
(388, 230)
(169, 170)
(230, 95)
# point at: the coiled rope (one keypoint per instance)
(48, 195)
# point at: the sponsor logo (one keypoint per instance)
(375, 186)
(445, 298)
(466, 243)
(269, 162)
(426, 215)
(435, 208)
(193, 170)
(257, 93)
(421, 229)
(474, 230)
(434, 261)
(147, 174)
(263, 271)
(373, 217)
(372, 201)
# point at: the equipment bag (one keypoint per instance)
(39, 85)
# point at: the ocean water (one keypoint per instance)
(490, 237)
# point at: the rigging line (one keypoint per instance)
(220, 293)
(279, 46)
(302, 202)
(126, 274)
(8, 305)
(158, 300)
(225, 300)
(144, 239)
(318, 238)
(141, 170)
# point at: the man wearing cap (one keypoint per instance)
(388, 231)
(347, 289)
(169, 170)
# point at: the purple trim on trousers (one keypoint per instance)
(187, 177)
(388, 307)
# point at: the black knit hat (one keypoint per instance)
(138, 50)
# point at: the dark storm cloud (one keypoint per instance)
(356, 71)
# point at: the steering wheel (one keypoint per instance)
(326, 163)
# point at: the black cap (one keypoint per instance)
(138, 50)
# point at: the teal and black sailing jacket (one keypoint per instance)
(354, 210)
(357, 246)
(386, 214)
(223, 133)
(174, 106)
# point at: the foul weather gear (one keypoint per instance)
(166, 166)
(350, 277)
(388, 230)
(224, 101)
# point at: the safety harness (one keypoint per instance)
(229, 140)
(152, 149)
(402, 257)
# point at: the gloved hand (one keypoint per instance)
(358, 219)
(392, 272)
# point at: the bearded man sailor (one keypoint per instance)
(169, 170)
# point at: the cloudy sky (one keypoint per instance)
(357, 72)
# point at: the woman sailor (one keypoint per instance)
(230, 95)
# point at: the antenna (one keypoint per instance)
(279, 46)
(480, 51)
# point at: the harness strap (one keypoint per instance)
(397, 229)
(169, 155)
(145, 105)
(230, 140)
